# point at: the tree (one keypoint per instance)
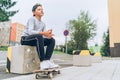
(81, 30)
(5, 5)
(105, 49)
(70, 47)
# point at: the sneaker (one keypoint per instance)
(52, 64)
(44, 65)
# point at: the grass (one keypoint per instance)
(3, 48)
(58, 52)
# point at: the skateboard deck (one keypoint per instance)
(47, 72)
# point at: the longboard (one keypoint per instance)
(47, 72)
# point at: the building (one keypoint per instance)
(4, 33)
(114, 27)
(16, 33)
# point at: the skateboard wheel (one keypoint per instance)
(58, 71)
(37, 76)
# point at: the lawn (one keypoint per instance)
(58, 52)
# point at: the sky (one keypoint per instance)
(59, 12)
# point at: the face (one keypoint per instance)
(39, 11)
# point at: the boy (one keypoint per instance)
(36, 35)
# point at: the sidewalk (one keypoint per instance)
(3, 55)
(63, 60)
(107, 70)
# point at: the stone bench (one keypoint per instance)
(22, 59)
(83, 59)
(96, 58)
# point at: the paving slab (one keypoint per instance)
(107, 70)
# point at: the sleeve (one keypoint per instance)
(30, 26)
(44, 28)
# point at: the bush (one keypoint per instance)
(3, 48)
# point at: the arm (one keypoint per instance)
(30, 27)
(47, 33)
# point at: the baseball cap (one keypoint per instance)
(35, 6)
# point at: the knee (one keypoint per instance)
(39, 36)
(53, 40)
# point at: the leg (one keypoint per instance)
(35, 40)
(50, 43)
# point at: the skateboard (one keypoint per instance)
(47, 72)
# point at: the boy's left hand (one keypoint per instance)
(50, 34)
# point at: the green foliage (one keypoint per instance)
(70, 47)
(58, 52)
(81, 30)
(3, 48)
(5, 5)
(105, 49)
(95, 48)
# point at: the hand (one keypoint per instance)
(50, 36)
(48, 33)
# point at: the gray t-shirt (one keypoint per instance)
(34, 26)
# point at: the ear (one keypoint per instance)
(33, 13)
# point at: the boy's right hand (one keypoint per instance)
(48, 34)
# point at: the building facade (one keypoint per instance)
(114, 27)
(16, 33)
(4, 33)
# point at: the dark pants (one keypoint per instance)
(38, 41)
